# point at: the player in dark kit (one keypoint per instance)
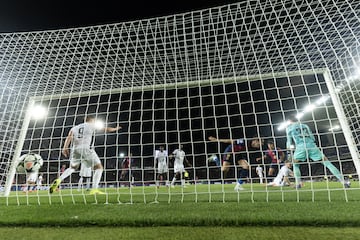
(243, 152)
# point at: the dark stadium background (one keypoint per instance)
(187, 116)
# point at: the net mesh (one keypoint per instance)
(233, 71)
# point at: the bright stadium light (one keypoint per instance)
(334, 128)
(121, 155)
(38, 112)
(309, 108)
(339, 88)
(284, 125)
(299, 115)
(99, 124)
(322, 100)
(354, 77)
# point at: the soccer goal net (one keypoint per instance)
(236, 73)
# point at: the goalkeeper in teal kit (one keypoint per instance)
(306, 148)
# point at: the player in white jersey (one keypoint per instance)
(260, 173)
(81, 137)
(85, 174)
(282, 178)
(39, 182)
(179, 169)
(161, 166)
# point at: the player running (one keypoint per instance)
(81, 137)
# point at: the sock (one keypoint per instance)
(243, 174)
(173, 181)
(297, 174)
(182, 182)
(88, 183)
(334, 170)
(66, 173)
(97, 177)
(80, 183)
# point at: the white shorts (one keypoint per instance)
(32, 177)
(85, 156)
(162, 168)
(179, 168)
(85, 171)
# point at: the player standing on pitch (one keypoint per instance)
(179, 169)
(81, 137)
(161, 166)
(305, 147)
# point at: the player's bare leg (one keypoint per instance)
(225, 169)
(244, 171)
(98, 170)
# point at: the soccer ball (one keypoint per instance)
(30, 162)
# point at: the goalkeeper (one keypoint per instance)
(305, 147)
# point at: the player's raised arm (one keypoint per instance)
(288, 139)
(68, 140)
(214, 139)
(112, 129)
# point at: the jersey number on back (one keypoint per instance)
(81, 133)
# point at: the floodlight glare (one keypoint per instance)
(284, 125)
(99, 124)
(322, 100)
(299, 115)
(334, 128)
(122, 155)
(339, 88)
(38, 112)
(309, 108)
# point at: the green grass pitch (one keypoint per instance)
(322, 207)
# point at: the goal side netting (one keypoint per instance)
(238, 71)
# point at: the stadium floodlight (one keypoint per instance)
(354, 77)
(284, 125)
(121, 155)
(299, 115)
(309, 108)
(334, 128)
(322, 100)
(38, 112)
(339, 88)
(99, 124)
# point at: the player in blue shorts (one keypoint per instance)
(305, 148)
(244, 153)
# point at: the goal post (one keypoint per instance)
(18, 149)
(354, 151)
